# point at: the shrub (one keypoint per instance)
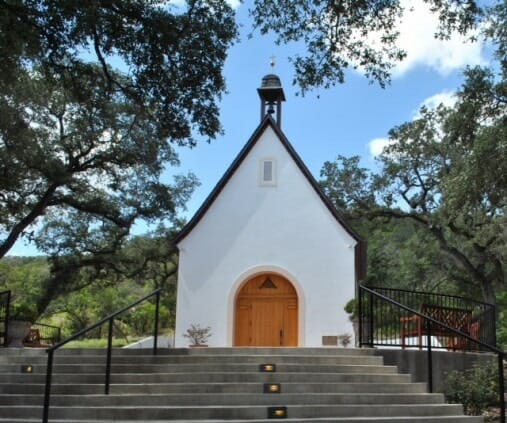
(475, 388)
(352, 308)
(23, 311)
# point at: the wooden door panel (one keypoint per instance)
(267, 322)
(290, 323)
(243, 335)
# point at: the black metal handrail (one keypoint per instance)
(5, 300)
(429, 323)
(481, 315)
(110, 320)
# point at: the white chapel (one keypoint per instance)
(267, 260)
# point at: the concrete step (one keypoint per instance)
(227, 351)
(217, 377)
(147, 413)
(194, 359)
(204, 368)
(222, 399)
(196, 388)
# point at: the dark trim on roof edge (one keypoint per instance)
(268, 121)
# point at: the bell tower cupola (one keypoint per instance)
(271, 95)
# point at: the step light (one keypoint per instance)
(277, 412)
(267, 368)
(26, 368)
(272, 388)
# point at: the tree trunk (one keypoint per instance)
(488, 292)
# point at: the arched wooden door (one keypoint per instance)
(266, 313)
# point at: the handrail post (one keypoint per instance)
(47, 390)
(108, 359)
(430, 358)
(494, 327)
(370, 329)
(360, 316)
(6, 321)
(501, 387)
(155, 332)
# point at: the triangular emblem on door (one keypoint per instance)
(268, 284)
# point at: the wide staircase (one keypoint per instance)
(218, 384)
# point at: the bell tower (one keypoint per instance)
(271, 95)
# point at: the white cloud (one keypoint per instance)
(234, 3)
(417, 30)
(377, 145)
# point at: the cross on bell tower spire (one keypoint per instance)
(271, 94)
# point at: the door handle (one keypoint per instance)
(281, 336)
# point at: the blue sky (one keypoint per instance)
(349, 119)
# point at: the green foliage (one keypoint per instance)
(149, 260)
(99, 343)
(23, 311)
(89, 305)
(23, 276)
(449, 167)
(93, 96)
(435, 213)
(140, 320)
(93, 303)
(401, 254)
(352, 308)
(501, 322)
(476, 388)
(142, 265)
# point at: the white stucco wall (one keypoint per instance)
(250, 229)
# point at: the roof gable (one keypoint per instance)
(266, 122)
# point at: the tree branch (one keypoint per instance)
(438, 233)
(37, 210)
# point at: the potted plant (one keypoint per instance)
(21, 318)
(197, 335)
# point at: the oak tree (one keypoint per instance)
(93, 96)
(445, 171)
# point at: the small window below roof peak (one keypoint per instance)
(267, 172)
